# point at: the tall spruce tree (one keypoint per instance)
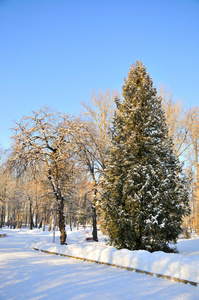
(144, 193)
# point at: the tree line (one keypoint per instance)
(59, 168)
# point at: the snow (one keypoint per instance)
(175, 265)
(29, 274)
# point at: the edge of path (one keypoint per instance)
(122, 267)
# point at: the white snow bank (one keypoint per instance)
(175, 265)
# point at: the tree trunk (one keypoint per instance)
(50, 222)
(36, 216)
(44, 224)
(60, 203)
(74, 222)
(62, 222)
(70, 223)
(2, 217)
(18, 219)
(26, 217)
(40, 224)
(94, 216)
(95, 238)
(197, 193)
(30, 216)
(36, 220)
(44, 219)
(14, 220)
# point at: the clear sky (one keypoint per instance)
(56, 52)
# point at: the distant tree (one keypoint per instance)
(183, 127)
(91, 154)
(93, 142)
(144, 193)
(78, 209)
(193, 157)
(3, 188)
(5, 193)
(177, 118)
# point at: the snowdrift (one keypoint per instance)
(180, 266)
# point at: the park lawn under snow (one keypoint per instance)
(28, 274)
(184, 265)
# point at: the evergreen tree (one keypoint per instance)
(144, 193)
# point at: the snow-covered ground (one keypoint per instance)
(29, 274)
(184, 265)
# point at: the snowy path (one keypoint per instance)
(28, 274)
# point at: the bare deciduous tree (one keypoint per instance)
(194, 153)
(45, 137)
(177, 119)
(94, 142)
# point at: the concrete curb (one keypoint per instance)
(3, 235)
(125, 268)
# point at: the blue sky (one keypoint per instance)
(56, 52)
